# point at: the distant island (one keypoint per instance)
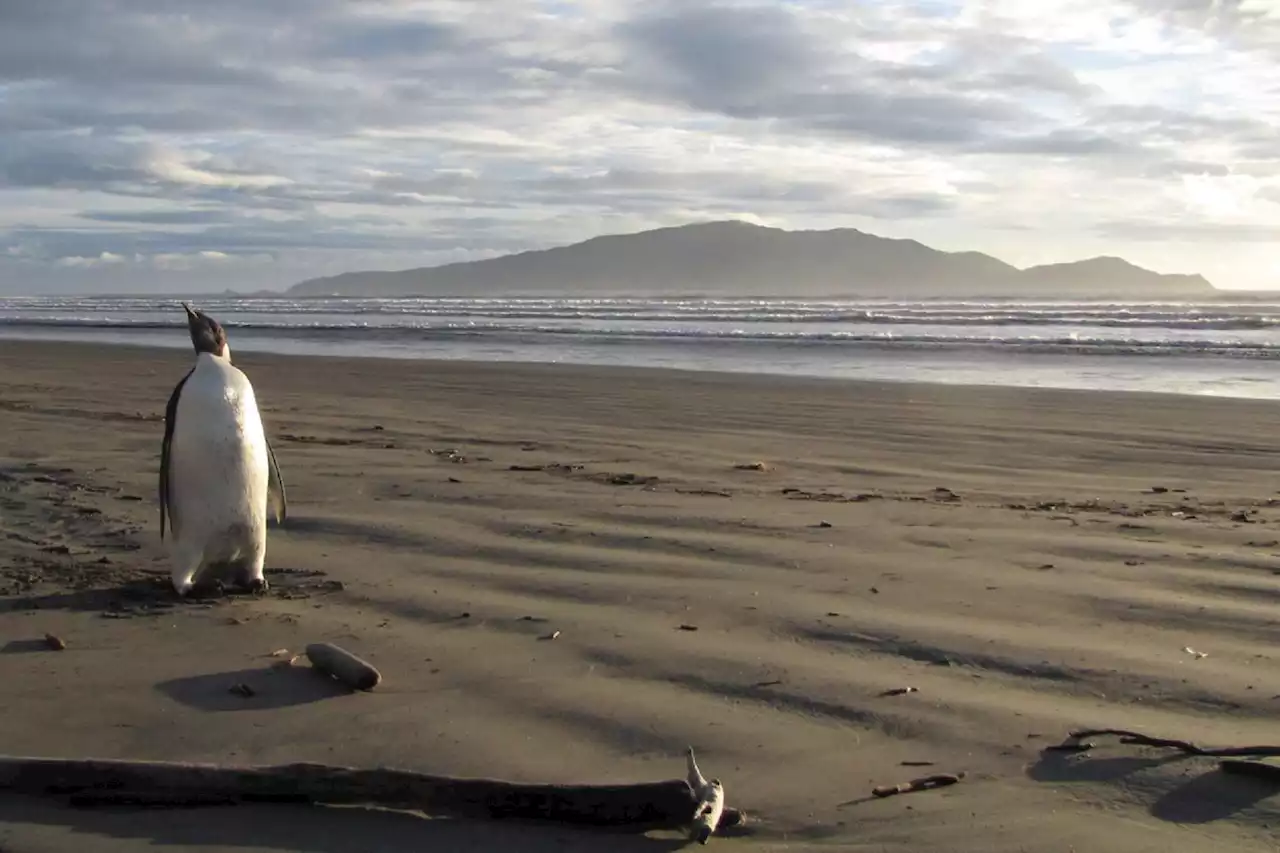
(741, 259)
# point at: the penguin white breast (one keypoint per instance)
(219, 451)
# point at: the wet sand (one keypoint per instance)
(744, 564)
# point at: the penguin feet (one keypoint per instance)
(258, 586)
(213, 588)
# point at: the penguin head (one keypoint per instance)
(207, 335)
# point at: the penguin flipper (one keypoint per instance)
(277, 502)
(170, 418)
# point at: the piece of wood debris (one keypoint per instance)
(1183, 746)
(706, 818)
(669, 804)
(924, 783)
(710, 796)
(341, 664)
(1070, 747)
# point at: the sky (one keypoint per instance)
(192, 145)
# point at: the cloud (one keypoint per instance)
(314, 136)
(773, 62)
(195, 216)
(79, 261)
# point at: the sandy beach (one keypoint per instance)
(743, 564)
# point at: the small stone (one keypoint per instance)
(55, 643)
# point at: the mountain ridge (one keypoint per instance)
(733, 257)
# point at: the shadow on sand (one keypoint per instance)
(1212, 796)
(151, 594)
(17, 647)
(1076, 767)
(316, 829)
(1204, 798)
(144, 591)
(254, 689)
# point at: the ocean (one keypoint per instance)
(1228, 347)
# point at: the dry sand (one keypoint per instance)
(466, 510)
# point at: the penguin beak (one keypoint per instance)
(191, 314)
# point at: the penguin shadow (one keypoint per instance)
(318, 829)
(151, 594)
(149, 591)
(255, 689)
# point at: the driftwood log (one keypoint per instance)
(710, 796)
(89, 782)
(1183, 746)
(1233, 754)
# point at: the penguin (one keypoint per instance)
(218, 473)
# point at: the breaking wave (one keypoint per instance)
(1236, 329)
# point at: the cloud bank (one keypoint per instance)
(179, 145)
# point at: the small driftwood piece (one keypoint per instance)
(1070, 747)
(669, 804)
(339, 663)
(1183, 746)
(900, 691)
(924, 783)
